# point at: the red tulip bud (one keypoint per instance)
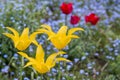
(74, 19)
(66, 8)
(92, 18)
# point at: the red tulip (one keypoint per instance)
(92, 18)
(66, 8)
(74, 19)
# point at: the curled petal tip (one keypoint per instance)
(7, 27)
(62, 52)
(81, 29)
(68, 60)
(43, 25)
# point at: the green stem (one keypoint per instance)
(44, 77)
(65, 19)
(32, 75)
(21, 69)
(59, 71)
(41, 77)
(37, 76)
(10, 61)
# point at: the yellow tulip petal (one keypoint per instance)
(52, 57)
(62, 59)
(67, 40)
(28, 64)
(23, 44)
(23, 54)
(32, 37)
(52, 64)
(73, 36)
(72, 30)
(46, 27)
(56, 43)
(61, 52)
(9, 35)
(44, 31)
(14, 38)
(40, 54)
(52, 36)
(16, 44)
(41, 68)
(25, 34)
(35, 42)
(62, 31)
(14, 31)
(59, 59)
(26, 56)
(44, 68)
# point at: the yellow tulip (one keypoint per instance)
(23, 41)
(62, 37)
(39, 64)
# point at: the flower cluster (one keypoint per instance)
(59, 40)
(67, 8)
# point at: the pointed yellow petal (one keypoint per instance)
(49, 33)
(67, 41)
(44, 31)
(72, 30)
(9, 35)
(16, 44)
(62, 31)
(14, 38)
(46, 27)
(25, 34)
(62, 59)
(23, 54)
(32, 37)
(28, 64)
(52, 57)
(40, 54)
(26, 56)
(59, 59)
(73, 36)
(52, 36)
(35, 42)
(55, 42)
(61, 52)
(14, 31)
